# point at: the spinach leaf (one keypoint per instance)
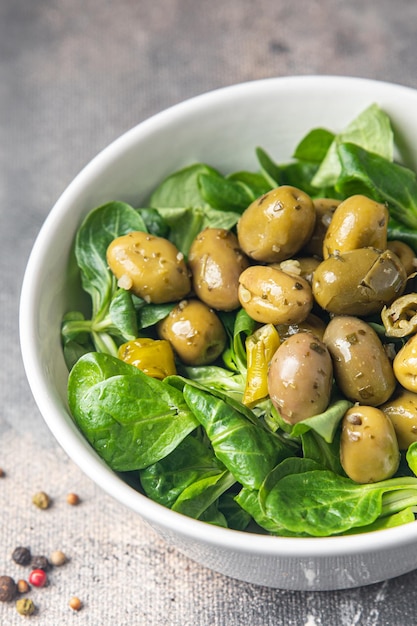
(95, 234)
(249, 452)
(314, 146)
(324, 424)
(371, 130)
(373, 175)
(201, 494)
(323, 503)
(224, 194)
(188, 463)
(182, 188)
(255, 183)
(130, 419)
(236, 517)
(185, 222)
(154, 222)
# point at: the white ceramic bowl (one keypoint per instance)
(221, 128)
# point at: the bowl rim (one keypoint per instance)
(71, 439)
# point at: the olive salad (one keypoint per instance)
(249, 357)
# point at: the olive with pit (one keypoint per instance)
(369, 449)
(216, 262)
(271, 296)
(276, 225)
(405, 253)
(358, 222)
(149, 266)
(401, 409)
(358, 282)
(194, 331)
(362, 369)
(405, 365)
(300, 377)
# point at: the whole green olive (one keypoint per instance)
(151, 267)
(401, 408)
(405, 365)
(313, 323)
(271, 296)
(216, 262)
(276, 225)
(325, 208)
(405, 253)
(194, 331)
(362, 369)
(369, 449)
(358, 222)
(358, 282)
(300, 377)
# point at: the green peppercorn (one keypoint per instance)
(25, 606)
(8, 589)
(41, 500)
(21, 555)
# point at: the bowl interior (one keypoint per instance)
(221, 128)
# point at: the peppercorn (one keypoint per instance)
(75, 603)
(41, 500)
(57, 558)
(2, 473)
(22, 586)
(38, 578)
(25, 606)
(73, 499)
(8, 589)
(41, 562)
(21, 555)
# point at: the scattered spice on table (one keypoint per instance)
(73, 499)
(38, 578)
(22, 555)
(58, 558)
(25, 606)
(8, 589)
(22, 586)
(41, 562)
(41, 500)
(75, 603)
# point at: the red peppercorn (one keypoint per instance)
(38, 577)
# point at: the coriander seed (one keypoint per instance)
(25, 606)
(22, 586)
(41, 500)
(8, 589)
(75, 603)
(21, 555)
(57, 558)
(73, 499)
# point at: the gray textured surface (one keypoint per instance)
(74, 74)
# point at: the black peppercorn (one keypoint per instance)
(40, 562)
(8, 589)
(21, 556)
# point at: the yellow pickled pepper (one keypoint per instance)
(154, 357)
(260, 348)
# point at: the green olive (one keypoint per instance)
(405, 254)
(402, 411)
(276, 225)
(151, 267)
(300, 377)
(362, 369)
(325, 208)
(405, 365)
(194, 331)
(216, 262)
(368, 446)
(312, 323)
(358, 222)
(358, 282)
(271, 296)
